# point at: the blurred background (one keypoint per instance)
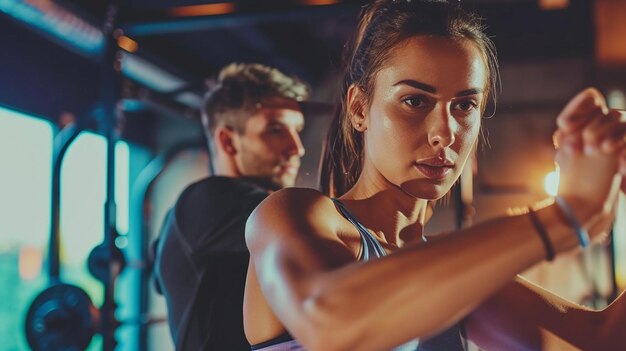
(61, 95)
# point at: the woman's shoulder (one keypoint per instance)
(296, 201)
(304, 195)
(295, 208)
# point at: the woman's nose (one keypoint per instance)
(441, 133)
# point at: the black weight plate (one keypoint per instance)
(99, 259)
(60, 318)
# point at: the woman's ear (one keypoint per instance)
(356, 108)
(224, 138)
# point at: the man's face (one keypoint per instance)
(270, 147)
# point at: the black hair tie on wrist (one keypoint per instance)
(542, 234)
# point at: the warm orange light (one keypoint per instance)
(610, 31)
(203, 10)
(29, 262)
(319, 2)
(553, 4)
(127, 43)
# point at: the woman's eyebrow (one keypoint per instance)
(431, 89)
(417, 85)
(472, 91)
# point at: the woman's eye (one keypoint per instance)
(466, 105)
(415, 101)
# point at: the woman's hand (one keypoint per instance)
(591, 142)
(610, 139)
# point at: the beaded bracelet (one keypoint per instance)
(583, 236)
(543, 234)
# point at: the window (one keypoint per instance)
(26, 163)
(25, 194)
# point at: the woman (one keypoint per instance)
(353, 273)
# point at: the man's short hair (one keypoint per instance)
(239, 90)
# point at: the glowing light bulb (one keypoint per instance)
(551, 183)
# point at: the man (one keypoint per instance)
(252, 119)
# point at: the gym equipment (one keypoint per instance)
(62, 317)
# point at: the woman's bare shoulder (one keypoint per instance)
(291, 209)
(296, 201)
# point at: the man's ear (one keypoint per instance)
(225, 140)
(356, 108)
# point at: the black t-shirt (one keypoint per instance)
(201, 263)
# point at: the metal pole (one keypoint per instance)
(62, 141)
(107, 123)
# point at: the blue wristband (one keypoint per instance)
(583, 236)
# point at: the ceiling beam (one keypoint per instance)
(146, 23)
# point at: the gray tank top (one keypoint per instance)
(449, 340)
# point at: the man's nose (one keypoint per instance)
(296, 148)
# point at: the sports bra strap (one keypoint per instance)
(371, 245)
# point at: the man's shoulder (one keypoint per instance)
(211, 213)
(221, 190)
(224, 185)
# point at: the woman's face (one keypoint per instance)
(424, 114)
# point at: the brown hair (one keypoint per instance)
(238, 90)
(383, 24)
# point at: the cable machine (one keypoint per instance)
(63, 317)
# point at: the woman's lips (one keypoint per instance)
(434, 172)
(435, 167)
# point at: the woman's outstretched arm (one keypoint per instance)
(327, 303)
